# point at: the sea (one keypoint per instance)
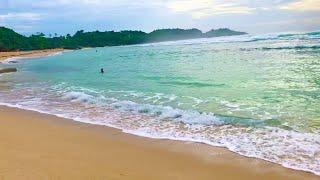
(256, 95)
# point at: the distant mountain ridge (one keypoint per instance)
(222, 32)
(10, 40)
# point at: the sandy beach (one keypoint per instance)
(40, 146)
(28, 54)
(159, 90)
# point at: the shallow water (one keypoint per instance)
(256, 95)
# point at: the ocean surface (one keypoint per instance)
(258, 96)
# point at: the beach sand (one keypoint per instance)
(27, 54)
(39, 146)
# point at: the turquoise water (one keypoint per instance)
(256, 95)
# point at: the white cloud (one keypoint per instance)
(20, 16)
(303, 5)
(95, 3)
(203, 8)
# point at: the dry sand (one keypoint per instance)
(38, 146)
(27, 54)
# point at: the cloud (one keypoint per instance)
(20, 21)
(68, 16)
(21, 16)
(204, 8)
(302, 5)
(97, 4)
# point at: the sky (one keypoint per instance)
(68, 16)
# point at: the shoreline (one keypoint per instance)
(5, 56)
(208, 161)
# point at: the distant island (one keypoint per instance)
(12, 41)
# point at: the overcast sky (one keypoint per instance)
(67, 16)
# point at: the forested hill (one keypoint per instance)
(10, 40)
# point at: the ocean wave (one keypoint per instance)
(292, 47)
(308, 35)
(191, 84)
(166, 112)
(79, 97)
(240, 38)
(287, 36)
(161, 112)
(169, 113)
(300, 47)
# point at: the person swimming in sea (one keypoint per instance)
(101, 70)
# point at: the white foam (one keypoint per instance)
(166, 112)
(79, 97)
(18, 59)
(11, 59)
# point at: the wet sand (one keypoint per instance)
(39, 146)
(28, 54)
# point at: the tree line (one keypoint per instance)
(12, 41)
